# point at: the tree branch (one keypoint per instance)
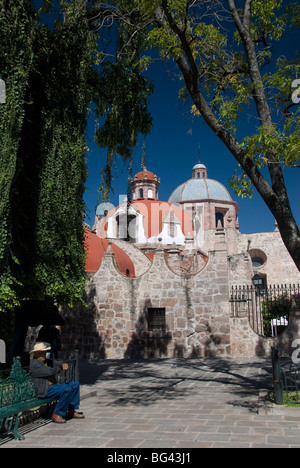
(247, 14)
(259, 95)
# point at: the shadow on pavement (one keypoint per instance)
(144, 382)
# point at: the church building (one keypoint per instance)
(161, 274)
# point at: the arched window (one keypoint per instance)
(141, 193)
(258, 258)
(219, 217)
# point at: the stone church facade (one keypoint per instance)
(160, 275)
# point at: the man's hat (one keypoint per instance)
(41, 346)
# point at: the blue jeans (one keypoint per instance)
(68, 396)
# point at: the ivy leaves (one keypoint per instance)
(52, 74)
(122, 108)
(15, 65)
(43, 155)
(59, 236)
(121, 93)
(122, 102)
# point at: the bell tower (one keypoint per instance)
(199, 171)
(145, 185)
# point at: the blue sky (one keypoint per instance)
(172, 151)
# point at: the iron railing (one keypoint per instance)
(266, 307)
(286, 379)
(72, 373)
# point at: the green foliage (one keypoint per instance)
(16, 38)
(267, 20)
(121, 94)
(43, 167)
(52, 74)
(242, 185)
(274, 308)
(288, 127)
(60, 257)
(122, 102)
(215, 56)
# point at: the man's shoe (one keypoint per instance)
(56, 418)
(75, 415)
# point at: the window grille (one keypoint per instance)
(156, 319)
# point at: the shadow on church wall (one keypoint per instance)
(145, 343)
(80, 329)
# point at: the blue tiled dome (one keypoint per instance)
(199, 166)
(200, 189)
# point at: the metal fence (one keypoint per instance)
(286, 379)
(267, 308)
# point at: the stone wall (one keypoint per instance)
(114, 322)
(279, 267)
(245, 342)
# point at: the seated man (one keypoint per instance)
(67, 394)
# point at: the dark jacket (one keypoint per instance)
(40, 375)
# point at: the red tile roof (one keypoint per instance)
(95, 249)
(145, 175)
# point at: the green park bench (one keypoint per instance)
(17, 394)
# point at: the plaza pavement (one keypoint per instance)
(171, 404)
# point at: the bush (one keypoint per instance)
(275, 309)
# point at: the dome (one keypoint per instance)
(145, 175)
(154, 212)
(199, 166)
(145, 184)
(200, 189)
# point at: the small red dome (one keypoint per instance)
(145, 175)
(95, 249)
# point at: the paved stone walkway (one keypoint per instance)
(163, 404)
